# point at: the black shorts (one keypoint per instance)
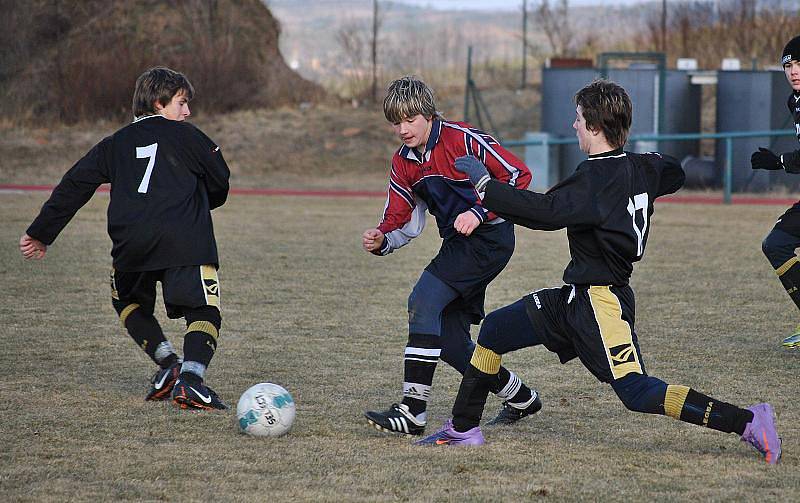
(594, 323)
(184, 287)
(789, 222)
(468, 264)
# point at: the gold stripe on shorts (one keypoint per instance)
(615, 332)
(208, 274)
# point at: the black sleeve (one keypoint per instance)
(75, 189)
(791, 161)
(569, 203)
(213, 169)
(671, 174)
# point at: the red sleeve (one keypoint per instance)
(400, 201)
(501, 163)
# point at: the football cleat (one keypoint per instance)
(447, 435)
(761, 432)
(190, 393)
(793, 341)
(397, 419)
(163, 381)
(509, 414)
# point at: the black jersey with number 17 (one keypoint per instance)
(166, 176)
(605, 206)
(793, 102)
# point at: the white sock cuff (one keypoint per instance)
(195, 368)
(511, 388)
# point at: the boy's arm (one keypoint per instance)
(671, 174)
(504, 166)
(213, 169)
(403, 217)
(501, 164)
(72, 192)
(569, 203)
(767, 159)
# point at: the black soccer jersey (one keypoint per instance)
(166, 176)
(606, 207)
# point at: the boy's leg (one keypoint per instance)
(755, 425)
(779, 248)
(193, 293)
(504, 330)
(133, 296)
(425, 305)
(457, 348)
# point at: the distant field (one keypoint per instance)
(305, 307)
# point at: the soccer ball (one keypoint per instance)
(265, 410)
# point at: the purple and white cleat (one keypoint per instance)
(447, 435)
(761, 432)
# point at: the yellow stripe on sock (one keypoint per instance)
(673, 402)
(780, 271)
(203, 326)
(485, 360)
(127, 312)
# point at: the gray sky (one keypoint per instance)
(504, 4)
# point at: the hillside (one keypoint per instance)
(71, 61)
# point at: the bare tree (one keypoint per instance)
(554, 21)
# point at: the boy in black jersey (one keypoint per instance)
(166, 176)
(781, 242)
(606, 207)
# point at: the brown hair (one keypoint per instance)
(158, 84)
(407, 97)
(606, 107)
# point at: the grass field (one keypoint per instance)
(305, 307)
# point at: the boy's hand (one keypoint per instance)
(32, 248)
(466, 222)
(475, 169)
(765, 159)
(372, 240)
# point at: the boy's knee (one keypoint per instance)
(779, 247)
(208, 314)
(641, 393)
(490, 329)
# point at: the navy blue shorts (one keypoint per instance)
(469, 263)
(789, 222)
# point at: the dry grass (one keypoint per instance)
(306, 308)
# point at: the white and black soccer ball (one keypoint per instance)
(265, 410)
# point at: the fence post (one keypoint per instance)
(468, 85)
(728, 181)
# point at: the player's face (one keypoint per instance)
(792, 70)
(177, 109)
(583, 134)
(413, 131)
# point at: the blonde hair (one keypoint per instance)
(407, 97)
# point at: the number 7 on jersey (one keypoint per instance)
(148, 152)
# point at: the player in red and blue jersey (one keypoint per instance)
(476, 246)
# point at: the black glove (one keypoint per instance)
(765, 159)
(477, 172)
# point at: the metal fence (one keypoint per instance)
(537, 146)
